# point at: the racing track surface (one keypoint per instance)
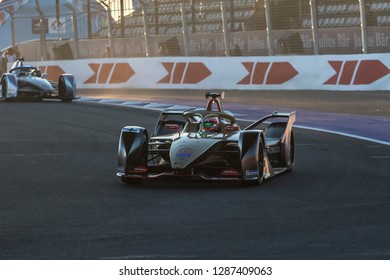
(60, 199)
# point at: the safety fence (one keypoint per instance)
(233, 28)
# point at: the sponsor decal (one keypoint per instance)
(230, 172)
(36, 25)
(252, 172)
(139, 170)
(110, 73)
(57, 25)
(184, 153)
(268, 73)
(355, 72)
(53, 72)
(184, 73)
(135, 130)
(232, 128)
(273, 150)
(171, 126)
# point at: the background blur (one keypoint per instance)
(76, 29)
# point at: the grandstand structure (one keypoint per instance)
(254, 27)
(205, 16)
(334, 14)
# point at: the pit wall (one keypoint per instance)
(324, 72)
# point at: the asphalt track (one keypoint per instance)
(60, 199)
(361, 114)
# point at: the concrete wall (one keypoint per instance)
(325, 72)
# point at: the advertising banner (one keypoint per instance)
(326, 72)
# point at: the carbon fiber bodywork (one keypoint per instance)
(183, 146)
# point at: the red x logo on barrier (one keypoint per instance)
(355, 72)
(184, 73)
(111, 73)
(269, 73)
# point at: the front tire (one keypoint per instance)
(260, 167)
(143, 162)
(289, 157)
(4, 88)
(65, 93)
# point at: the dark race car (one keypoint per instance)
(208, 144)
(25, 81)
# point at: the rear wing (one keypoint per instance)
(289, 116)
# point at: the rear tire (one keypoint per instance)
(290, 161)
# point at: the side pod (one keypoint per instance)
(132, 151)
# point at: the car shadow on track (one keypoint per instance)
(193, 184)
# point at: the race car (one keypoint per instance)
(208, 144)
(25, 81)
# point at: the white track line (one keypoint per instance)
(344, 134)
(153, 108)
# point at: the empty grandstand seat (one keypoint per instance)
(306, 23)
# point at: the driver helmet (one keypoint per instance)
(211, 124)
(38, 73)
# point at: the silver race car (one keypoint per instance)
(25, 81)
(208, 144)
